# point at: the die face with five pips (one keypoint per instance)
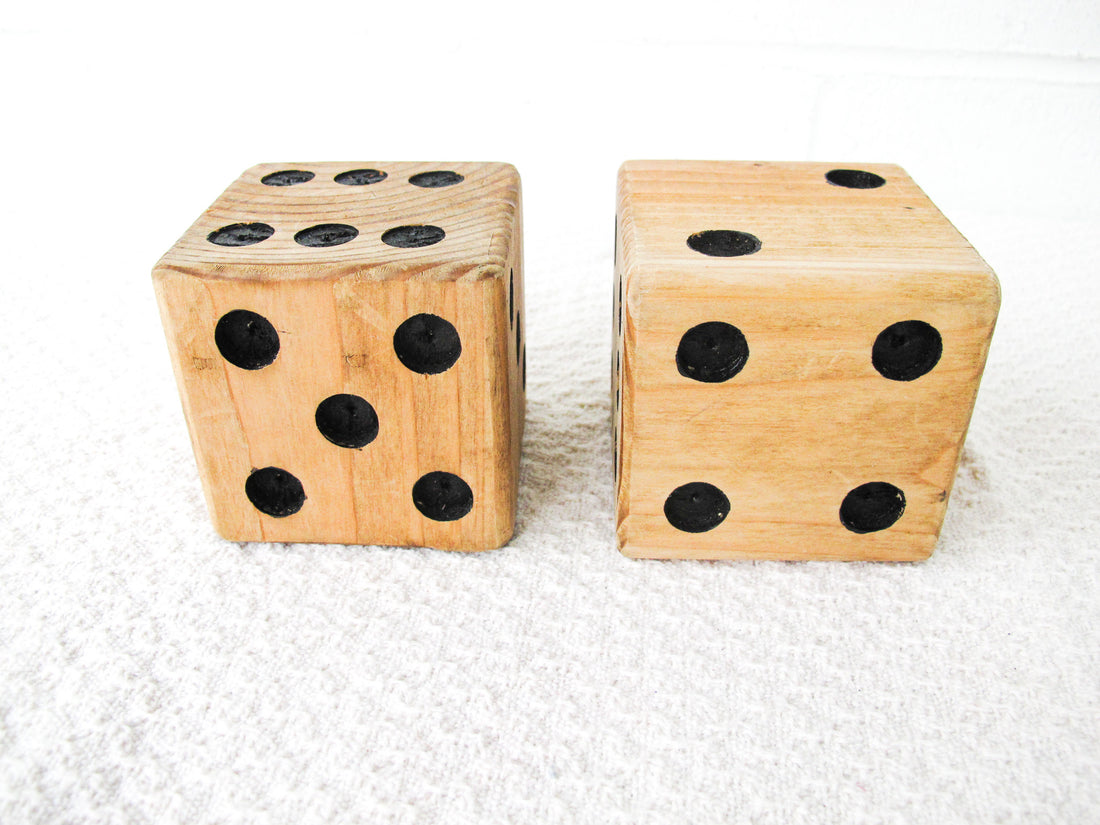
(797, 353)
(347, 341)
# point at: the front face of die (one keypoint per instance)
(357, 394)
(798, 362)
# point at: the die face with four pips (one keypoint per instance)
(798, 348)
(347, 340)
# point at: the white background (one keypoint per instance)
(150, 672)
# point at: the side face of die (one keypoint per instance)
(798, 348)
(347, 339)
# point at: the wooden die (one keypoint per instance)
(797, 352)
(346, 338)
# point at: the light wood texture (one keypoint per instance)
(808, 418)
(336, 310)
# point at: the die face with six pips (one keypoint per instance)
(347, 340)
(798, 348)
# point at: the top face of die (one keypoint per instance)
(762, 225)
(295, 220)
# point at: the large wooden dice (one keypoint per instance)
(347, 340)
(798, 347)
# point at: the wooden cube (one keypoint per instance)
(347, 340)
(798, 348)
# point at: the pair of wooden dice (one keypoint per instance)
(797, 349)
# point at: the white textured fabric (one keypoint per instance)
(152, 673)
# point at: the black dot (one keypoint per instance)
(724, 243)
(696, 507)
(619, 305)
(246, 340)
(872, 507)
(347, 421)
(615, 244)
(519, 340)
(907, 350)
(854, 179)
(287, 177)
(511, 295)
(360, 177)
(327, 234)
(241, 234)
(413, 237)
(427, 344)
(434, 180)
(442, 496)
(274, 491)
(712, 352)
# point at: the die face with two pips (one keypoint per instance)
(347, 340)
(798, 348)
